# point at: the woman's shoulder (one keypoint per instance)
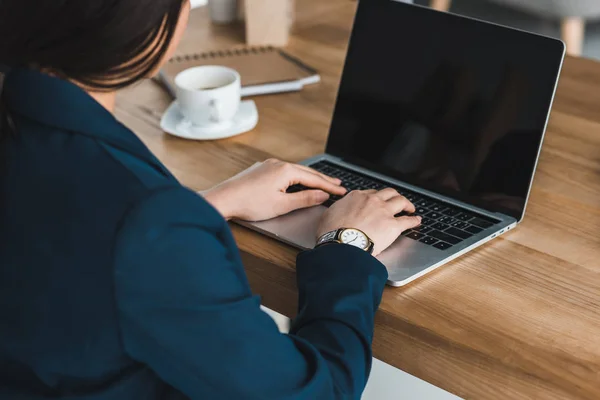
(174, 205)
(172, 210)
(140, 167)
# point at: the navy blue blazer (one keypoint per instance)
(116, 282)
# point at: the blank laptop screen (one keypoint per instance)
(444, 102)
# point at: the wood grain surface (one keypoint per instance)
(517, 318)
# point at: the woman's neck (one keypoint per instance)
(106, 99)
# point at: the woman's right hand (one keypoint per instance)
(373, 213)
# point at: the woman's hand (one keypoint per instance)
(259, 193)
(373, 213)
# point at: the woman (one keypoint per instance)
(118, 283)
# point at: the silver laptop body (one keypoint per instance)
(415, 253)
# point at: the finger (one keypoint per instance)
(406, 223)
(304, 199)
(387, 194)
(336, 181)
(315, 181)
(399, 204)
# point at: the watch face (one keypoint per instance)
(355, 238)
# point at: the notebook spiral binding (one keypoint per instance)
(243, 51)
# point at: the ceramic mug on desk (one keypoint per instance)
(209, 96)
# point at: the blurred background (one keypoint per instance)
(577, 22)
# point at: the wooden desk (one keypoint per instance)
(517, 318)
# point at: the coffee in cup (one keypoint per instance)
(209, 95)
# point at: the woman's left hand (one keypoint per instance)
(259, 193)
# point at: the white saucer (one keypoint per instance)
(174, 123)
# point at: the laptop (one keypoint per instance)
(448, 110)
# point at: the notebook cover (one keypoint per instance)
(256, 65)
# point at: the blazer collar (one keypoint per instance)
(62, 104)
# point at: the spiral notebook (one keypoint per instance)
(264, 70)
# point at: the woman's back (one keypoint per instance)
(69, 176)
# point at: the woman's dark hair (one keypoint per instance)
(100, 44)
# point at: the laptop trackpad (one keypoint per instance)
(298, 228)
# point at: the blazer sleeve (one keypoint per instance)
(186, 310)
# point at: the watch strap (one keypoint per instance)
(329, 237)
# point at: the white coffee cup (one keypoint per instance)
(209, 95)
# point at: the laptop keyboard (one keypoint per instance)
(443, 225)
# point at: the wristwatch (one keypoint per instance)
(349, 236)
